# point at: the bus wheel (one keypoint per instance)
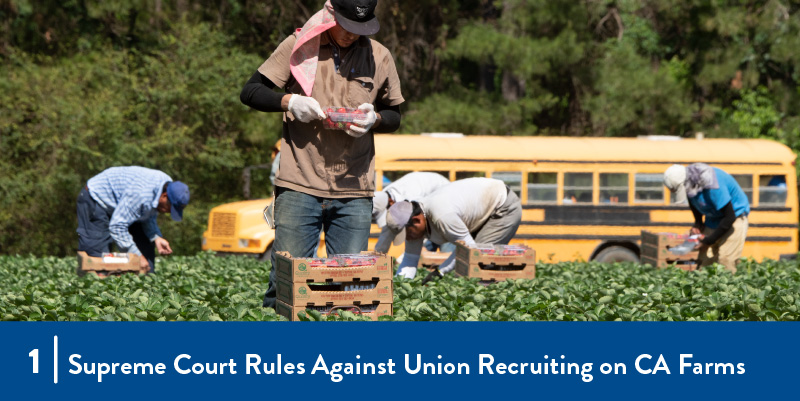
(616, 254)
(267, 255)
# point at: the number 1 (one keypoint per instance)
(35, 355)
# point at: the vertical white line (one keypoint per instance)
(55, 359)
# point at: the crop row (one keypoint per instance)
(206, 287)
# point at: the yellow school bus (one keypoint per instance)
(583, 198)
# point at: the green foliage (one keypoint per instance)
(593, 291)
(176, 110)
(756, 116)
(631, 67)
(202, 287)
(633, 98)
(525, 56)
(206, 287)
(473, 113)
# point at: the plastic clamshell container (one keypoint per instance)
(340, 118)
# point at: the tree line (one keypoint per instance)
(89, 84)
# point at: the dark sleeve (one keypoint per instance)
(258, 93)
(724, 225)
(390, 118)
(698, 217)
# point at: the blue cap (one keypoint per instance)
(178, 195)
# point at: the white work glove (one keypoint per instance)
(408, 267)
(305, 108)
(362, 125)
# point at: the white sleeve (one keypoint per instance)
(448, 264)
(408, 267)
(384, 241)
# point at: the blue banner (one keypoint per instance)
(396, 360)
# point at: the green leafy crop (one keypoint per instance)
(606, 292)
(206, 287)
(202, 287)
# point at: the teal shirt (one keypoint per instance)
(711, 201)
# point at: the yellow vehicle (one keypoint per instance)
(583, 198)
(239, 227)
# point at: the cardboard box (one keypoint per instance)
(301, 270)
(471, 262)
(333, 293)
(113, 264)
(655, 251)
(372, 311)
(430, 259)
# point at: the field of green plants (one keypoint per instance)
(207, 287)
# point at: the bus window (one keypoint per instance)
(772, 190)
(512, 178)
(613, 188)
(649, 188)
(393, 175)
(577, 188)
(746, 182)
(445, 174)
(460, 175)
(542, 187)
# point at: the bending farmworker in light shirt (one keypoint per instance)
(484, 207)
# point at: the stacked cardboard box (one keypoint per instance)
(656, 251)
(109, 264)
(495, 262)
(432, 259)
(360, 283)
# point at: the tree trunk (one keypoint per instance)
(512, 87)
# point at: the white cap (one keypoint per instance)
(397, 217)
(674, 179)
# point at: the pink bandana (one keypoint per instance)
(305, 54)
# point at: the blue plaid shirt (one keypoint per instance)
(131, 194)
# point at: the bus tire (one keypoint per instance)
(267, 255)
(614, 254)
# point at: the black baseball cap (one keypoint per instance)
(357, 16)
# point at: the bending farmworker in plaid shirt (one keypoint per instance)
(121, 204)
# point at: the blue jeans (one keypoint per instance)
(299, 219)
(445, 248)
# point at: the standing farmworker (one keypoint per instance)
(473, 210)
(716, 195)
(412, 186)
(121, 204)
(326, 177)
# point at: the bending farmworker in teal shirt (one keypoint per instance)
(715, 195)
